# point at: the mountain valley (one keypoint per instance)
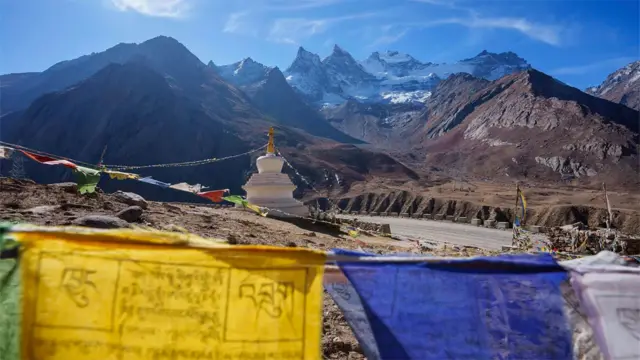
(390, 119)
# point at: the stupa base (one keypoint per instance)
(286, 208)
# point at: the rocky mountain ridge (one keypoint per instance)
(387, 78)
(528, 125)
(622, 86)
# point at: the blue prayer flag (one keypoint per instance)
(347, 299)
(151, 181)
(504, 307)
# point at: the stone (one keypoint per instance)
(449, 217)
(272, 189)
(461, 219)
(535, 228)
(130, 198)
(43, 209)
(130, 214)
(438, 217)
(489, 223)
(101, 222)
(503, 225)
(172, 208)
(66, 186)
(393, 214)
(476, 222)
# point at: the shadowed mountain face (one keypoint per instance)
(144, 116)
(528, 125)
(270, 93)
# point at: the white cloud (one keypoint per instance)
(390, 35)
(294, 30)
(237, 24)
(158, 8)
(549, 34)
(595, 66)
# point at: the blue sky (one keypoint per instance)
(579, 42)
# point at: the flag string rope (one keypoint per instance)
(331, 203)
(132, 167)
(42, 153)
(182, 164)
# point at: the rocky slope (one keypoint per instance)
(622, 86)
(381, 124)
(186, 112)
(528, 125)
(547, 216)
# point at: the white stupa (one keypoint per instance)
(271, 188)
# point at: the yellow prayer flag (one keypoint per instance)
(115, 294)
(121, 175)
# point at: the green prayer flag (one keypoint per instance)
(236, 199)
(10, 302)
(87, 179)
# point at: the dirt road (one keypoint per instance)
(444, 231)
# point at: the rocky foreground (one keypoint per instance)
(58, 204)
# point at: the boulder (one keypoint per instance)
(130, 198)
(66, 186)
(101, 222)
(130, 214)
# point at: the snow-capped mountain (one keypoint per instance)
(384, 77)
(621, 86)
(244, 72)
(390, 77)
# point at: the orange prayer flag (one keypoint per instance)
(214, 195)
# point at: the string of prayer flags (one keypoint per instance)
(49, 160)
(5, 152)
(151, 181)
(238, 200)
(610, 297)
(151, 300)
(186, 187)
(501, 307)
(87, 179)
(119, 175)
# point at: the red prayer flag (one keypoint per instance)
(49, 160)
(215, 195)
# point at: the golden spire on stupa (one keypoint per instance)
(271, 149)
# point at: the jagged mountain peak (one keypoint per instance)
(340, 51)
(621, 86)
(244, 72)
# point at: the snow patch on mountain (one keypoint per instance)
(244, 72)
(386, 77)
